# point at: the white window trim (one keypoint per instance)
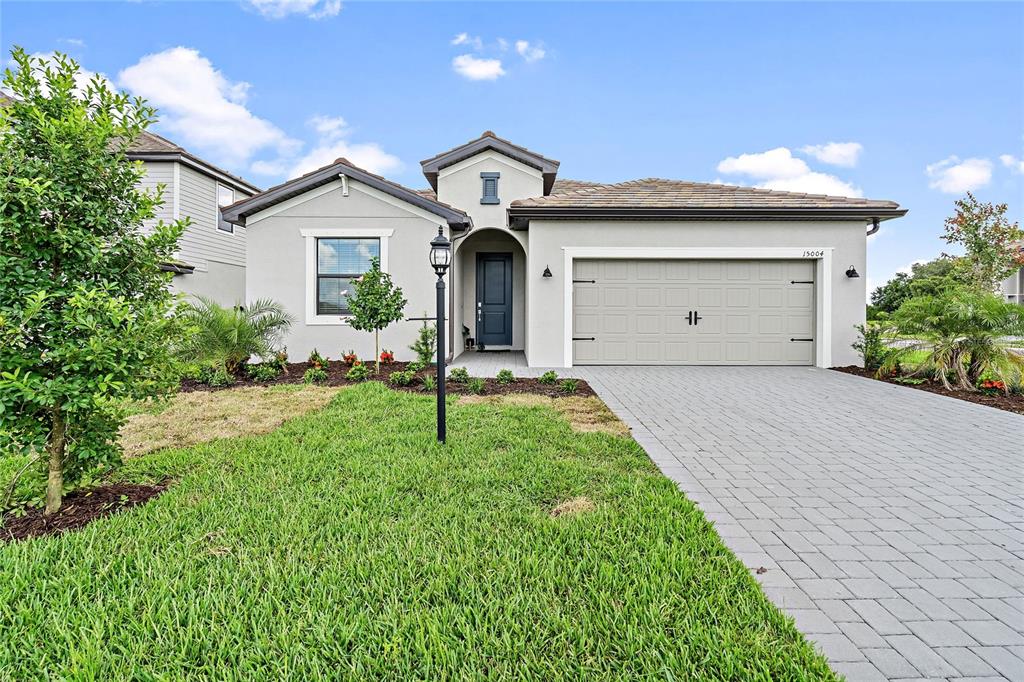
(822, 278)
(311, 235)
(217, 207)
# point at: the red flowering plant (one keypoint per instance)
(992, 385)
(350, 358)
(387, 357)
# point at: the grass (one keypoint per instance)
(347, 544)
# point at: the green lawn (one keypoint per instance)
(346, 544)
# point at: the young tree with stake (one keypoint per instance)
(375, 303)
(84, 305)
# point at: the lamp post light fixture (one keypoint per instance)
(440, 259)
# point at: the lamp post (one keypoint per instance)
(440, 259)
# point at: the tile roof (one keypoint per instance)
(149, 145)
(565, 185)
(681, 194)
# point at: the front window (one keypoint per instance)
(225, 197)
(338, 262)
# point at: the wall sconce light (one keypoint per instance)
(852, 272)
(547, 272)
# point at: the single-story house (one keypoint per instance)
(648, 271)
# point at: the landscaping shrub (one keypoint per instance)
(506, 377)
(386, 357)
(217, 376)
(426, 344)
(415, 366)
(871, 345)
(359, 372)
(548, 377)
(316, 360)
(350, 358)
(375, 302)
(429, 383)
(476, 385)
(230, 336)
(266, 371)
(280, 360)
(315, 375)
(570, 385)
(964, 333)
(458, 375)
(402, 378)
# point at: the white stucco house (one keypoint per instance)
(648, 271)
(211, 258)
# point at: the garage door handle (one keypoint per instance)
(584, 281)
(801, 339)
(584, 338)
(801, 281)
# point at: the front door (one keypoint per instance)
(493, 299)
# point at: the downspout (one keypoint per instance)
(451, 299)
(874, 227)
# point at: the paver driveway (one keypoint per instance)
(891, 520)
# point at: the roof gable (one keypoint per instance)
(152, 147)
(489, 141)
(238, 212)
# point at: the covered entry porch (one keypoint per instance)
(489, 292)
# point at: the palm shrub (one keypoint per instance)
(230, 336)
(965, 332)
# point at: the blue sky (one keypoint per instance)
(923, 100)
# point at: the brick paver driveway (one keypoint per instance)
(891, 520)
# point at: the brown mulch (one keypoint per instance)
(999, 400)
(80, 508)
(336, 371)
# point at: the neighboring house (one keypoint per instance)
(1013, 286)
(641, 272)
(211, 257)
(211, 260)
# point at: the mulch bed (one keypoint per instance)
(337, 370)
(999, 400)
(80, 508)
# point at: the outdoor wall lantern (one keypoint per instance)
(547, 272)
(440, 259)
(852, 272)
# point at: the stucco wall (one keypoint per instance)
(460, 185)
(277, 268)
(546, 316)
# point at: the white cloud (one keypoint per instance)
(477, 69)
(202, 108)
(279, 9)
(835, 153)
(1013, 163)
(466, 39)
(332, 144)
(778, 169)
(774, 163)
(73, 42)
(953, 176)
(530, 53)
(502, 44)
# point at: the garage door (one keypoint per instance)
(700, 312)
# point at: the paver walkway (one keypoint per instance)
(890, 520)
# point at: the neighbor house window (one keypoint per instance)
(225, 197)
(338, 262)
(490, 195)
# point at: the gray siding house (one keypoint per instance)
(211, 260)
(1013, 286)
(648, 271)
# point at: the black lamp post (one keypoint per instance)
(440, 259)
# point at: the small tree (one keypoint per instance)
(375, 303)
(425, 344)
(84, 305)
(991, 243)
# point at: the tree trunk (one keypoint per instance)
(55, 448)
(376, 349)
(974, 371)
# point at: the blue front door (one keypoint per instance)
(493, 299)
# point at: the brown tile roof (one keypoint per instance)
(565, 185)
(238, 211)
(427, 194)
(151, 142)
(661, 193)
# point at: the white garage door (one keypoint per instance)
(693, 312)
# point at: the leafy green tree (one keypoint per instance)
(965, 333)
(891, 295)
(84, 306)
(991, 242)
(426, 344)
(375, 303)
(228, 337)
(923, 279)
